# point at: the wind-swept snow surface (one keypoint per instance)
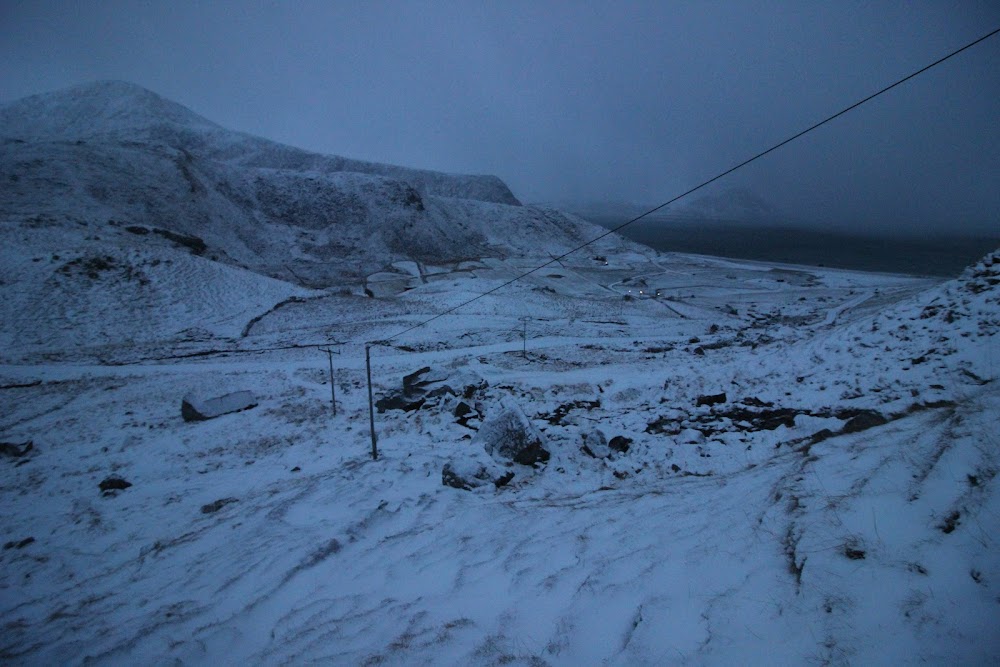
(838, 505)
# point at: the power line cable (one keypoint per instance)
(700, 186)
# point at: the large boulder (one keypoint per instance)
(195, 409)
(422, 380)
(508, 434)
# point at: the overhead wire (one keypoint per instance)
(695, 188)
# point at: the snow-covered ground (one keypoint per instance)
(838, 505)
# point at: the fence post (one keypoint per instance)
(371, 404)
(333, 390)
(524, 337)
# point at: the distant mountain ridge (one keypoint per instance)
(736, 204)
(125, 111)
(115, 156)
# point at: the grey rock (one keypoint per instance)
(711, 399)
(472, 472)
(113, 484)
(217, 505)
(863, 421)
(16, 450)
(620, 443)
(595, 444)
(507, 433)
(199, 409)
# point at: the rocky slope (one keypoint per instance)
(106, 158)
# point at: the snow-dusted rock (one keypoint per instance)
(199, 409)
(711, 399)
(864, 420)
(388, 284)
(594, 443)
(473, 472)
(421, 380)
(112, 485)
(507, 433)
(620, 443)
(408, 267)
(690, 436)
(466, 415)
(16, 449)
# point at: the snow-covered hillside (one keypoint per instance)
(102, 157)
(107, 111)
(763, 464)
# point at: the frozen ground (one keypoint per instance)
(838, 506)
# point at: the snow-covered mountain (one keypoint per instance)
(118, 160)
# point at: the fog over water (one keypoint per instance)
(934, 255)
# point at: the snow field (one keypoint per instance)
(764, 545)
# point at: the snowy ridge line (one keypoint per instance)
(707, 182)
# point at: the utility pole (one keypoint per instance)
(333, 391)
(524, 337)
(371, 404)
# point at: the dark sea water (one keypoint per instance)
(931, 256)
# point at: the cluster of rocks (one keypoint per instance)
(752, 414)
(505, 437)
(427, 385)
(596, 444)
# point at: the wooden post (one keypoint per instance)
(333, 389)
(333, 378)
(524, 338)
(371, 404)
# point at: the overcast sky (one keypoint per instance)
(575, 100)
